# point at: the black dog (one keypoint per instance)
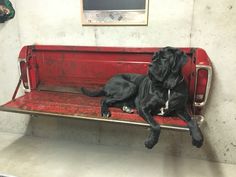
(162, 92)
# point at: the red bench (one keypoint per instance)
(52, 77)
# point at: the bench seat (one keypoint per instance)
(77, 105)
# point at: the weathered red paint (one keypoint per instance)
(77, 105)
(67, 68)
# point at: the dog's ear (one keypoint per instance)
(155, 56)
(178, 61)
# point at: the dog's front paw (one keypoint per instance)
(197, 137)
(152, 139)
(149, 144)
(197, 143)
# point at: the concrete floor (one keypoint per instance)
(24, 156)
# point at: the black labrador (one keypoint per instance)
(162, 91)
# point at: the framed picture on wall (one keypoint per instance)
(114, 12)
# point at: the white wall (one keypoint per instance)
(46, 22)
(9, 47)
(214, 29)
(178, 23)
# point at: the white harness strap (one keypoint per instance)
(166, 105)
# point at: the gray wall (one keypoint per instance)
(9, 76)
(179, 23)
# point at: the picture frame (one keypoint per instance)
(114, 12)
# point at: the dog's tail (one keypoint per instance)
(92, 93)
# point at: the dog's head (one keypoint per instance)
(166, 66)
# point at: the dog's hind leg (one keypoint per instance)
(121, 95)
(106, 103)
(195, 131)
(105, 108)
